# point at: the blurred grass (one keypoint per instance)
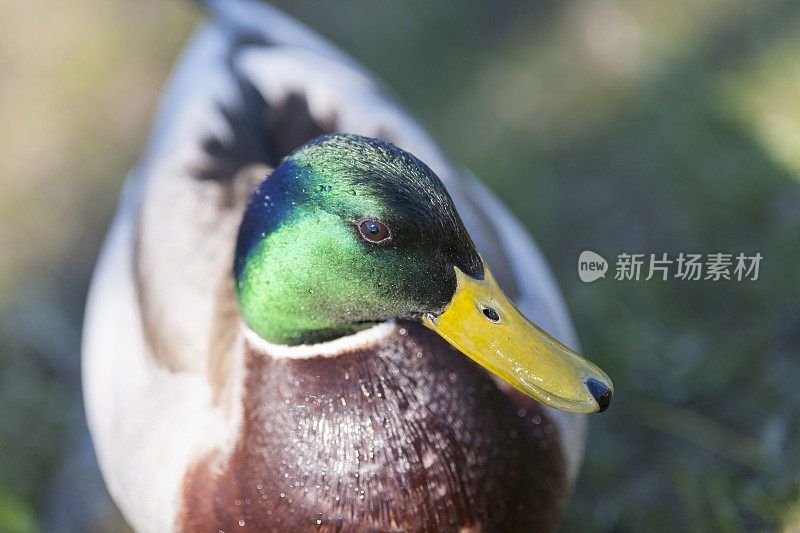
(78, 86)
(616, 126)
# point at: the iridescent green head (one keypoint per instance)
(347, 231)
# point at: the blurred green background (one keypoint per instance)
(609, 125)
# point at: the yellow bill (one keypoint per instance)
(486, 326)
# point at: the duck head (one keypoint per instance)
(350, 231)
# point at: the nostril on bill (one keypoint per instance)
(491, 314)
(601, 393)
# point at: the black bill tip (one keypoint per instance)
(601, 393)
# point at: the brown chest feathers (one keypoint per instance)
(407, 434)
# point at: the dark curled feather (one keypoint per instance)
(261, 133)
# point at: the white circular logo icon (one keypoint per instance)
(591, 266)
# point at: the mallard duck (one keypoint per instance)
(290, 327)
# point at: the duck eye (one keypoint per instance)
(374, 231)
